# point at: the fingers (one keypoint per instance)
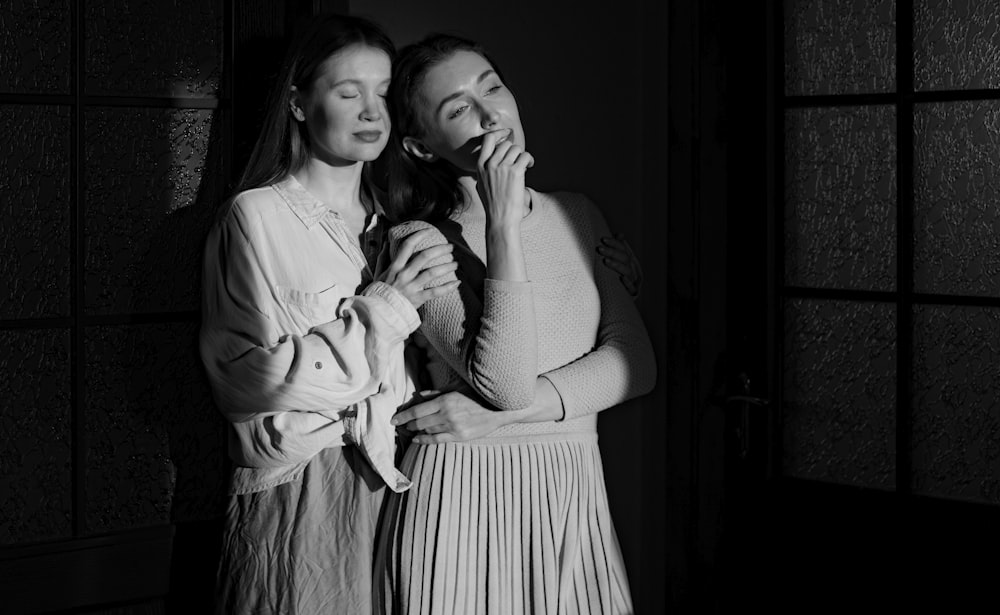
(424, 257)
(410, 244)
(429, 276)
(440, 290)
(406, 270)
(612, 248)
(631, 288)
(490, 142)
(523, 162)
(618, 266)
(438, 438)
(618, 256)
(416, 411)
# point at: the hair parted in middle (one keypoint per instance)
(283, 145)
(417, 189)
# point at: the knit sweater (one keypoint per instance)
(573, 323)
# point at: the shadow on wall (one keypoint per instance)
(156, 443)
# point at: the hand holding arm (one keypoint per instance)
(618, 256)
(456, 416)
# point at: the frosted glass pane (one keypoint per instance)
(956, 44)
(839, 406)
(840, 46)
(956, 412)
(840, 197)
(154, 48)
(956, 188)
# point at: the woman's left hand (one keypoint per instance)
(619, 257)
(448, 417)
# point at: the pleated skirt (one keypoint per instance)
(502, 527)
(305, 547)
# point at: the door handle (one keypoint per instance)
(745, 401)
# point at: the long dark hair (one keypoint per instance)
(418, 189)
(283, 145)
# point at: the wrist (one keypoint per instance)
(506, 227)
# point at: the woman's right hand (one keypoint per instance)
(419, 275)
(502, 165)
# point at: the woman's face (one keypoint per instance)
(460, 100)
(344, 110)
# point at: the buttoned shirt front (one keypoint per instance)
(304, 350)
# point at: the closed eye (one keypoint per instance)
(457, 112)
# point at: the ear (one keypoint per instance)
(416, 148)
(295, 106)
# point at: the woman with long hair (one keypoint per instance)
(303, 333)
(515, 518)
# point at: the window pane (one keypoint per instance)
(956, 45)
(840, 392)
(956, 191)
(956, 414)
(35, 435)
(160, 49)
(34, 211)
(155, 446)
(35, 46)
(840, 197)
(145, 228)
(840, 46)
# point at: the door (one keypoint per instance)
(863, 455)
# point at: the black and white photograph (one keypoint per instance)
(499, 307)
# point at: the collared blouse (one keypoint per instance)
(303, 348)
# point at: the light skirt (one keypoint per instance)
(502, 527)
(304, 547)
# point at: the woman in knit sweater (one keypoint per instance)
(508, 512)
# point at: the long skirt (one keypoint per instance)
(502, 526)
(304, 547)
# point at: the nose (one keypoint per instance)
(372, 111)
(490, 116)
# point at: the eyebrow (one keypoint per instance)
(353, 82)
(453, 96)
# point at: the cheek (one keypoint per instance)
(328, 117)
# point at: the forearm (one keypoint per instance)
(335, 365)
(504, 253)
(547, 406)
(488, 338)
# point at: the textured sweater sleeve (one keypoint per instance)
(622, 365)
(257, 370)
(489, 340)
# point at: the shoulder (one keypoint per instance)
(577, 208)
(430, 234)
(249, 208)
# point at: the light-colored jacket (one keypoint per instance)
(303, 350)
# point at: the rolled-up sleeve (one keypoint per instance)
(256, 369)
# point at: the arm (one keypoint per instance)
(622, 364)
(456, 416)
(489, 342)
(258, 370)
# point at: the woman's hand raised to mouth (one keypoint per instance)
(501, 166)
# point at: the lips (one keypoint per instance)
(509, 136)
(368, 136)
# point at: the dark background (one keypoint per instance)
(123, 124)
